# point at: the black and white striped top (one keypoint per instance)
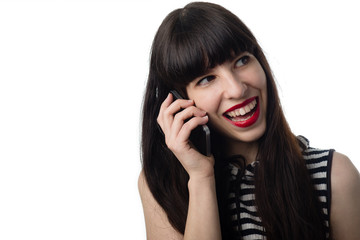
(319, 165)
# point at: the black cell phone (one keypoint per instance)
(200, 136)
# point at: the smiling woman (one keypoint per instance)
(72, 77)
(261, 181)
(239, 78)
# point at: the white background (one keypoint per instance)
(72, 75)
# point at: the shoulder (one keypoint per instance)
(148, 201)
(142, 185)
(156, 222)
(345, 178)
(345, 189)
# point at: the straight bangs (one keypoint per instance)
(198, 42)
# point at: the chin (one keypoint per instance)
(245, 135)
(251, 135)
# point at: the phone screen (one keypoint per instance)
(200, 136)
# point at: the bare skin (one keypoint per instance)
(345, 190)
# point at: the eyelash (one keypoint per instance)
(208, 78)
(245, 60)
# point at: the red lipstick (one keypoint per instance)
(244, 120)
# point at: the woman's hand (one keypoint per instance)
(172, 120)
(177, 119)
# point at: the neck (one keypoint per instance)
(248, 150)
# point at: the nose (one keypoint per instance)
(233, 87)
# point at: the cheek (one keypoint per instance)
(208, 100)
(258, 78)
(208, 103)
(263, 85)
(262, 77)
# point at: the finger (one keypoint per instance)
(190, 125)
(168, 107)
(165, 104)
(178, 105)
(169, 112)
(189, 112)
(179, 142)
(184, 115)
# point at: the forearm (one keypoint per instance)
(203, 215)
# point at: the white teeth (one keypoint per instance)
(242, 111)
(252, 105)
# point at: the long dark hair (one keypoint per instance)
(190, 41)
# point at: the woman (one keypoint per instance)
(260, 181)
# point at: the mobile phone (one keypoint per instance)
(200, 136)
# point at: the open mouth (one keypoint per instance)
(244, 114)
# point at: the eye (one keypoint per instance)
(204, 81)
(242, 61)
